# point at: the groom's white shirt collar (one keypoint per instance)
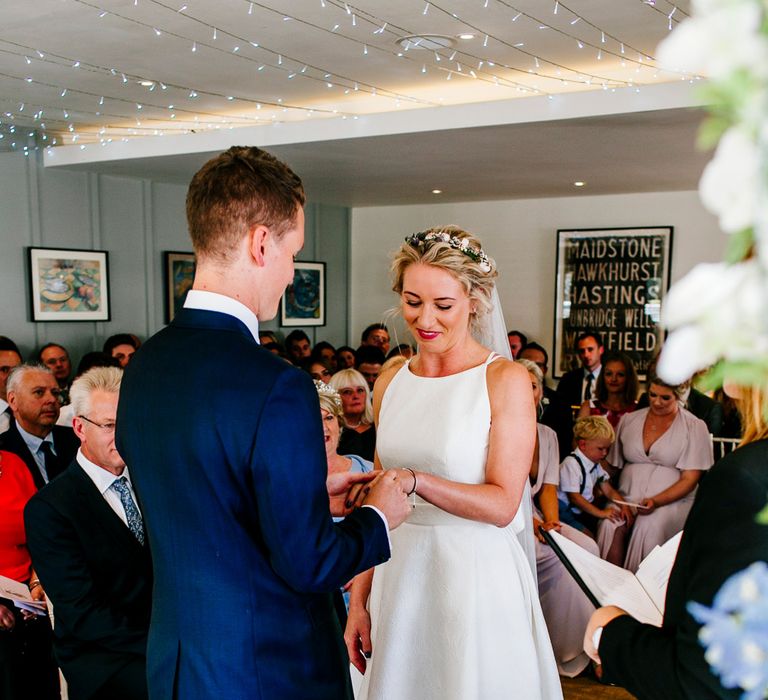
(212, 301)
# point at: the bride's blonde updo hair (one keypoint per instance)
(456, 251)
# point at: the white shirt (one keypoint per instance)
(103, 480)
(34, 443)
(570, 477)
(586, 380)
(5, 418)
(212, 301)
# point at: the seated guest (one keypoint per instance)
(56, 358)
(345, 358)
(359, 434)
(565, 606)
(377, 335)
(10, 357)
(584, 484)
(517, 341)
(402, 350)
(266, 337)
(369, 360)
(27, 668)
(298, 347)
(87, 361)
(722, 536)
(662, 452)
(615, 390)
(552, 412)
(318, 371)
(46, 448)
(121, 347)
(86, 537)
(325, 352)
(578, 385)
(332, 415)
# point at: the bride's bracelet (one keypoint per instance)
(413, 473)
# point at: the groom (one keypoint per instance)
(226, 451)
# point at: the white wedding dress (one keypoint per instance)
(455, 613)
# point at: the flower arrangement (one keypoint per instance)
(718, 312)
(476, 254)
(735, 631)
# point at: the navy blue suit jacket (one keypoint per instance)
(225, 446)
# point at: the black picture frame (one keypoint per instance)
(68, 284)
(303, 303)
(612, 281)
(178, 275)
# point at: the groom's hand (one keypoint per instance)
(343, 489)
(388, 495)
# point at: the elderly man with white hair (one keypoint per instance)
(46, 448)
(86, 535)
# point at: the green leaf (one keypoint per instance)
(739, 245)
(711, 130)
(762, 516)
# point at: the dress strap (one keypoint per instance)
(492, 358)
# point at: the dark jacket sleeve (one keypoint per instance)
(309, 551)
(721, 537)
(62, 567)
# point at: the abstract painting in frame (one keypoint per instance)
(179, 275)
(303, 302)
(69, 285)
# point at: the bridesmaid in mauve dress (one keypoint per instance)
(662, 451)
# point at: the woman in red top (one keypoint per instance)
(27, 668)
(615, 390)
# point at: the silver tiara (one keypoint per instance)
(461, 244)
(329, 392)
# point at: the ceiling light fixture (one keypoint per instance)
(146, 83)
(437, 191)
(426, 42)
(466, 36)
(579, 183)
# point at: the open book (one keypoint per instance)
(641, 595)
(19, 594)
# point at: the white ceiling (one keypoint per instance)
(546, 92)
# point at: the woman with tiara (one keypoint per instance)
(454, 614)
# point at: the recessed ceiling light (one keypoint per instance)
(579, 183)
(426, 42)
(437, 191)
(466, 36)
(146, 83)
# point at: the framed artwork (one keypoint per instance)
(179, 274)
(611, 281)
(303, 302)
(68, 285)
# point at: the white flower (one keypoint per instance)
(715, 311)
(730, 182)
(720, 38)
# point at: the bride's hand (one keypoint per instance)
(357, 637)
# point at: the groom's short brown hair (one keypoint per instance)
(238, 189)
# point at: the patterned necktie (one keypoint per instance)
(135, 524)
(51, 461)
(588, 388)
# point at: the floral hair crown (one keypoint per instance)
(477, 254)
(328, 392)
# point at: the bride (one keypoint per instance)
(454, 614)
